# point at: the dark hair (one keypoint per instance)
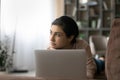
(68, 25)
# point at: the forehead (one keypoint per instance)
(56, 28)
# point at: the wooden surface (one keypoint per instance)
(29, 76)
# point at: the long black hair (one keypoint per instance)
(68, 25)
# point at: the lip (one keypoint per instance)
(52, 44)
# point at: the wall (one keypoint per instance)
(59, 8)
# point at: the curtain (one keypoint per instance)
(25, 27)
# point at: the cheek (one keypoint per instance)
(62, 42)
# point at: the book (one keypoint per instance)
(92, 12)
(68, 1)
(98, 23)
(93, 24)
(105, 5)
(74, 11)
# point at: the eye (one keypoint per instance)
(50, 32)
(58, 34)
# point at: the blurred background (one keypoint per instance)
(25, 24)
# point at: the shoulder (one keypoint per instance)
(80, 43)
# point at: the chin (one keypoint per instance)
(58, 48)
(54, 47)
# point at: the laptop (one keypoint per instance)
(61, 64)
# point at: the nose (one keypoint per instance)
(52, 38)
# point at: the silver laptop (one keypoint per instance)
(61, 64)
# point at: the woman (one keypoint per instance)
(63, 35)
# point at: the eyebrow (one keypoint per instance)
(57, 32)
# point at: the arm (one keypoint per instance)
(91, 66)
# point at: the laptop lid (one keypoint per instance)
(62, 64)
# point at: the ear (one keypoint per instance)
(70, 38)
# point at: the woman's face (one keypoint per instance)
(58, 38)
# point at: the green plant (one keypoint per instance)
(3, 56)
